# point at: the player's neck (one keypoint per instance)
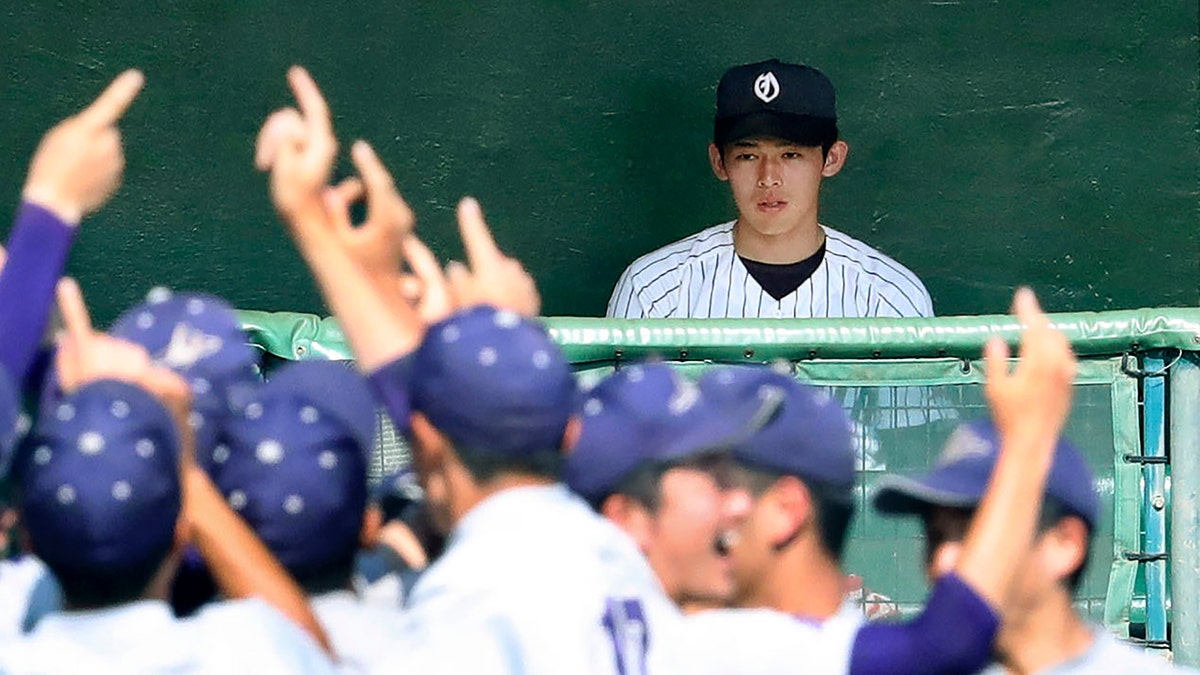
(803, 582)
(790, 246)
(1043, 636)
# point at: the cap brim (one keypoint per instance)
(905, 495)
(803, 130)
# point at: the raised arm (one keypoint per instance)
(954, 633)
(76, 168)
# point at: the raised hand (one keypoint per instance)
(298, 148)
(79, 163)
(84, 355)
(493, 278)
(1033, 400)
(377, 243)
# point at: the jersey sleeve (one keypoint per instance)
(624, 303)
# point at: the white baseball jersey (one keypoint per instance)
(1107, 655)
(750, 641)
(533, 581)
(243, 636)
(702, 277)
(23, 601)
(362, 634)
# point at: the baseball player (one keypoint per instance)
(293, 465)
(531, 580)
(1041, 632)
(102, 499)
(775, 139)
(653, 458)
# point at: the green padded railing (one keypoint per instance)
(906, 383)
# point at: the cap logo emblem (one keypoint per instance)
(963, 444)
(766, 87)
(188, 346)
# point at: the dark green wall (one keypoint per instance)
(991, 143)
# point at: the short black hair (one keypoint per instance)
(1053, 512)
(834, 508)
(85, 589)
(485, 466)
(334, 575)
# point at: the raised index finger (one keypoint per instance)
(112, 103)
(308, 95)
(477, 238)
(76, 319)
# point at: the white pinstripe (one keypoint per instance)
(702, 277)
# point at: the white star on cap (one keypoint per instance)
(65, 494)
(636, 374)
(487, 356)
(327, 459)
(201, 386)
(90, 443)
(195, 420)
(237, 500)
(144, 320)
(294, 504)
(220, 454)
(253, 410)
(451, 334)
(593, 407)
(309, 415)
(269, 451)
(541, 359)
(65, 412)
(506, 319)
(42, 455)
(120, 409)
(121, 490)
(144, 448)
(195, 306)
(725, 377)
(158, 295)
(23, 424)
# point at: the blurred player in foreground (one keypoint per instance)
(1041, 633)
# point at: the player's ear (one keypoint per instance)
(835, 159)
(629, 515)
(1064, 547)
(571, 434)
(944, 559)
(372, 522)
(792, 512)
(717, 162)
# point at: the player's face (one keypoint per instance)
(774, 182)
(693, 510)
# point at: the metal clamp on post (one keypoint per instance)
(1130, 368)
(1138, 556)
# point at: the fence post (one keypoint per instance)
(1185, 511)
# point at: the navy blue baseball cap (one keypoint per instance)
(808, 437)
(774, 99)
(494, 382)
(199, 337)
(100, 483)
(649, 413)
(960, 477)
(294, 462)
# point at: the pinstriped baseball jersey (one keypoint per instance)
(702, 277)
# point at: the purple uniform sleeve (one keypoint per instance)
(954, 634)
(37, 252)
(390, 383)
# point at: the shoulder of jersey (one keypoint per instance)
(881, 270)
(673, 255)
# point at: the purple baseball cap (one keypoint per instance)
(199, 337)
(960, 477)
(493, 382)
(100, 488)
(809, 436)
(294, 462)
(649, 413)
